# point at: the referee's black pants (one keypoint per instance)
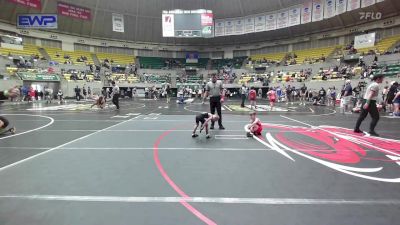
(215, 104)
(115, 100)
(373, 111)
(243, 100)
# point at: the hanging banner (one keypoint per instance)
(36, 21)
(36, 4)
(282, 20)
(38, 76)
(341, 6)
(168, 25)
(353, 4)
(364, 41)
(249, 25)
(318, 11)
(294, 16)
(118, 23)
(229, 27)
(239, 26)
(270, 22)
(366, 3)
(207, 19)
(74, 11)
(219, 28)
(306, 12)
(259, 24)
(330, 9)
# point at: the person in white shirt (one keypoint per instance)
(48, 92)
(243, 92)
(369, 105)
(215, 90)
(60, 96)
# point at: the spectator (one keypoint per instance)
(347, 95)
(243, 91)
(77, 93)
(84, 92)
(289, 95)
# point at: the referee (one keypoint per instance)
(115, 94)
(369, 105)
(215, 89)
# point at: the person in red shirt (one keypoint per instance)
(32, 94)
(272, 97)
(252, 97)
(255, 127)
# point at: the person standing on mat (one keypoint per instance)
(215, 89)
(77, 93)
(243, 91)
(369, 105)
(347, 95)
(115, 94)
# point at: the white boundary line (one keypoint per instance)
(144, 148)
(326, 114)
(226, 107)
(333, 133)
(391, 117)
(225, 121)
(28, 131)
(273, 146)
(256, 201)
(60, 146)
(231, 137)
(127, 130)
(160, 130)
(166, 148)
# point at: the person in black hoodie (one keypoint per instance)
(77, 93)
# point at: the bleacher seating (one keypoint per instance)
(194, 79)
(27, 51)
(388, 70)
(89, 77)
(245, 79)
(288, 76)
(158, 79)
(277, 57)
(52, 52)
(202, 63)
(159, 63)
(236, 62)
(123, 78)
(382, 46)
(313, 54)
(151, 62)
(11, 70)
(119, 59)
